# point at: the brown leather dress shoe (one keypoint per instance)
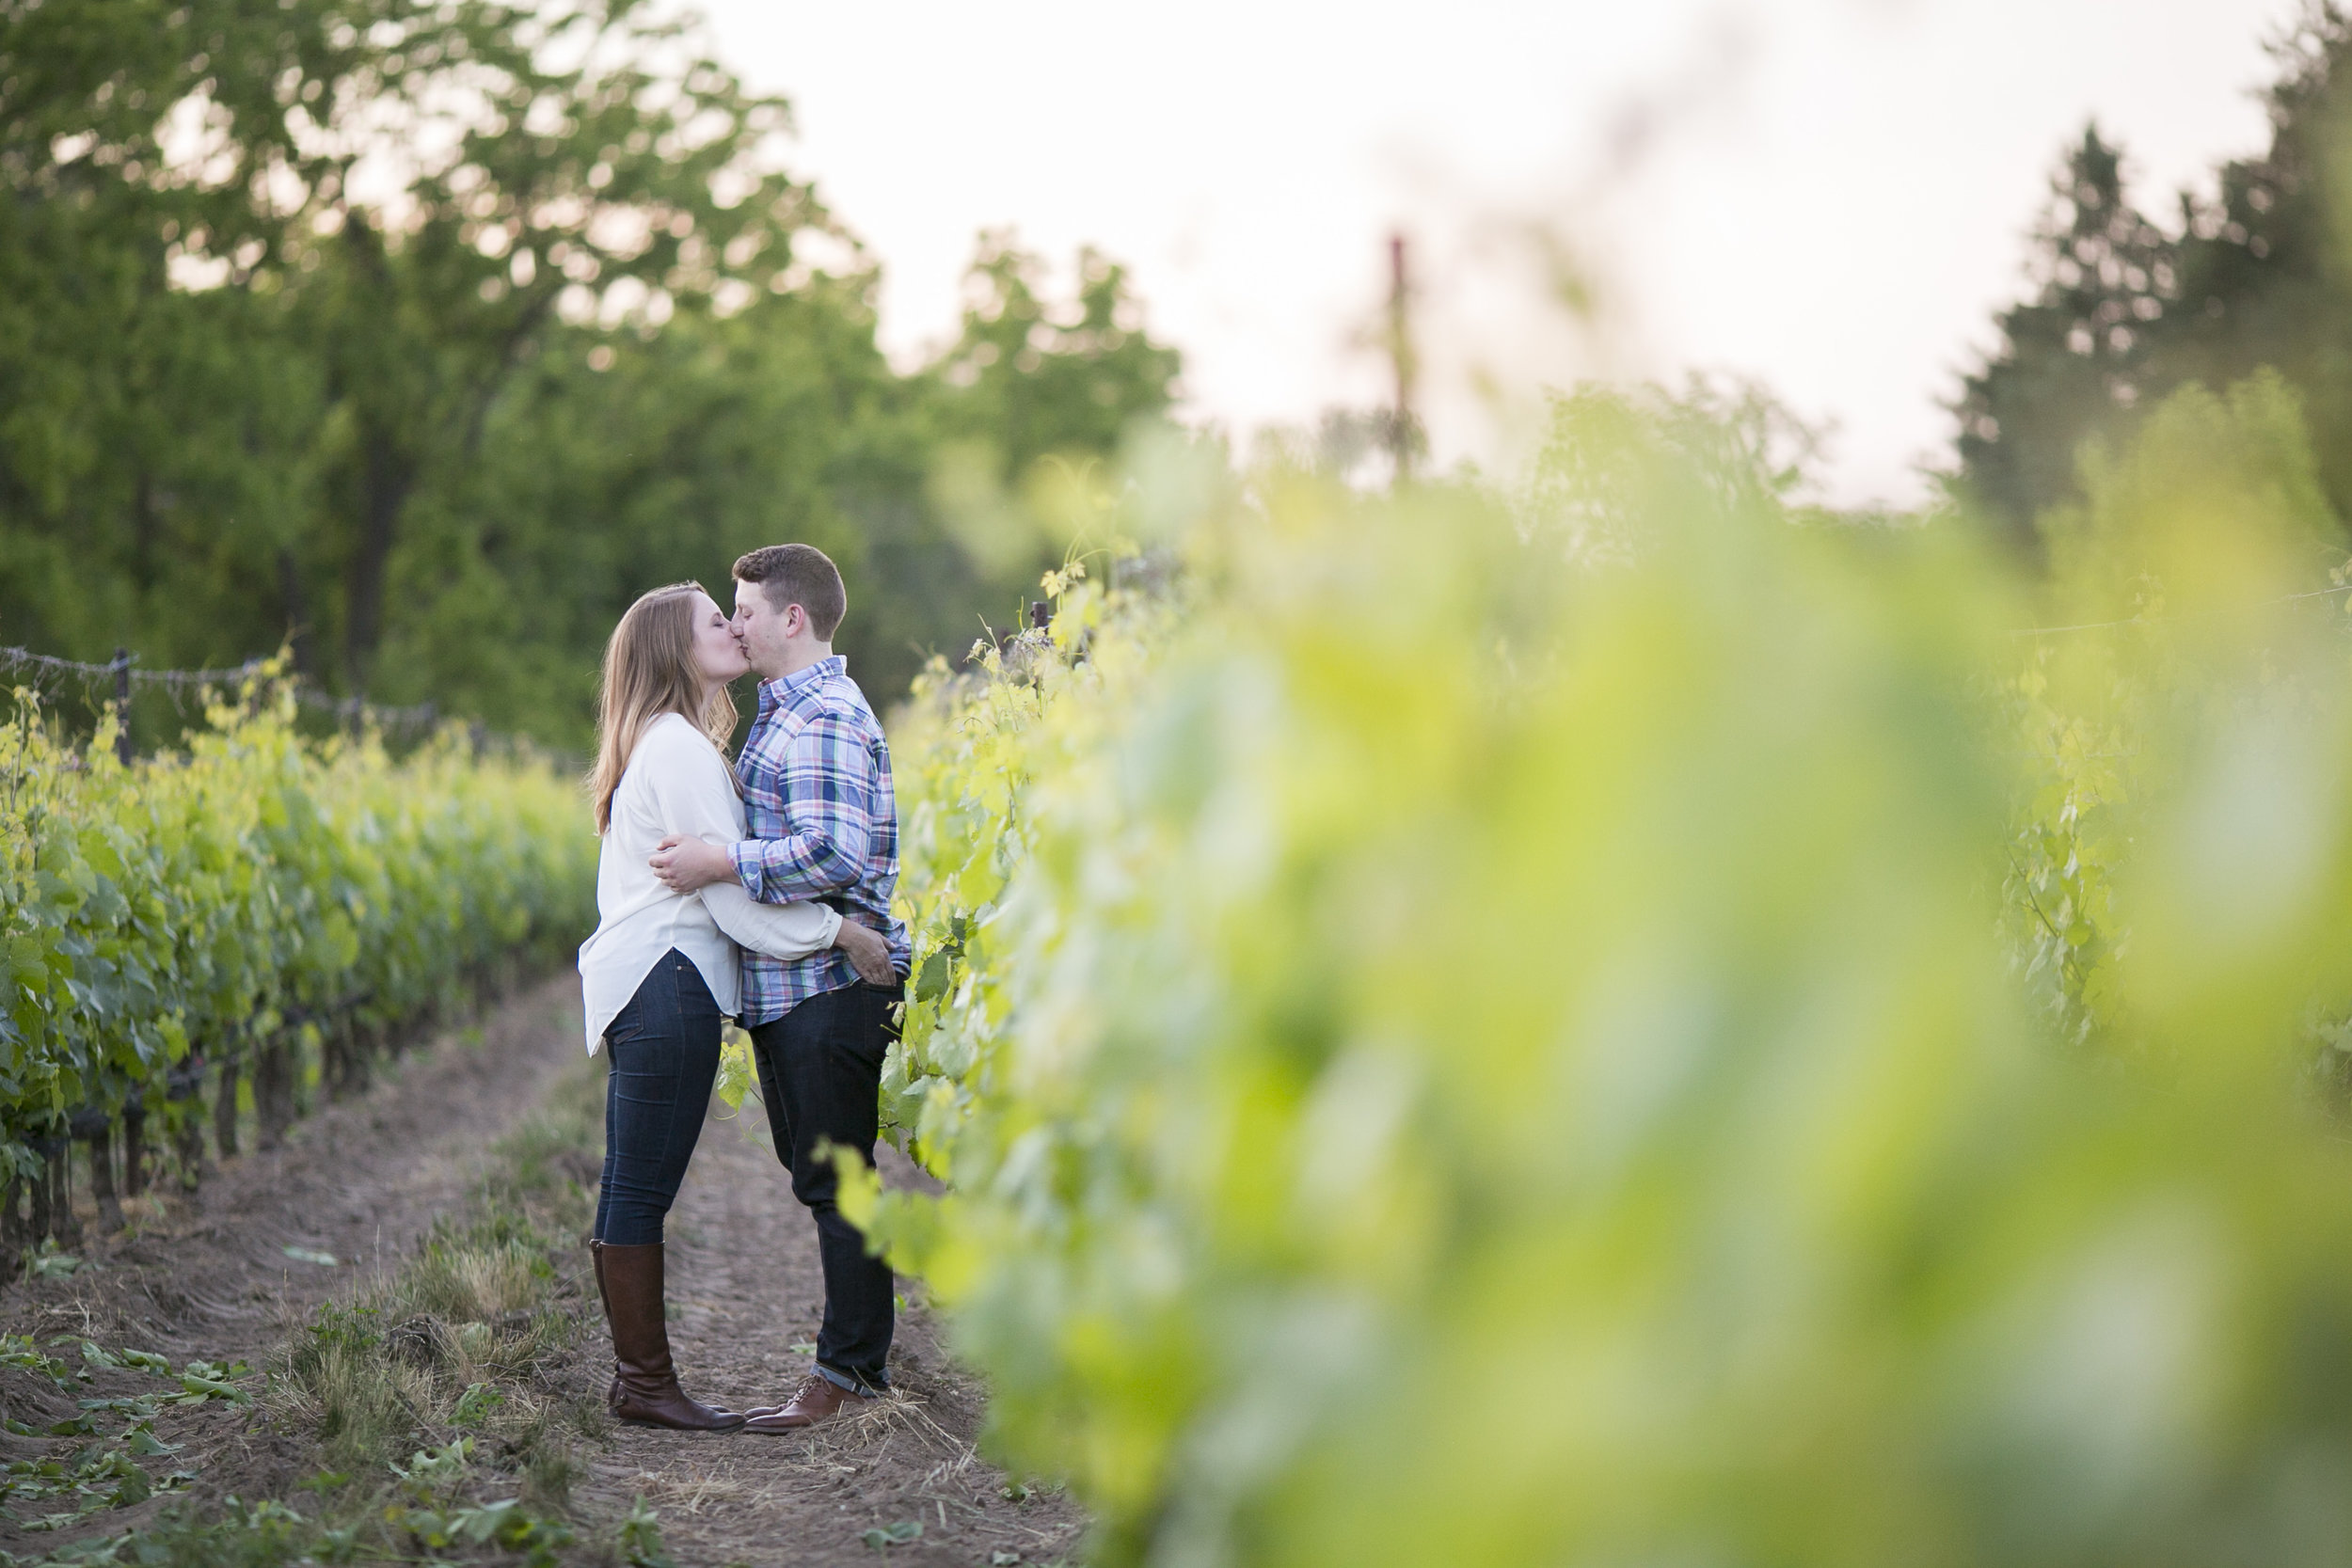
(817, 1399)
(644, 1386)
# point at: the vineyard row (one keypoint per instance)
(252, 914)
(1623, 1023)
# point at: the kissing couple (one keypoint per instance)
(760, 893)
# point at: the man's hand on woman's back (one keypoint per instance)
(867, 952)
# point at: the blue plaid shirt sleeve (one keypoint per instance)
(827, 777)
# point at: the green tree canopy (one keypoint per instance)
(1033, 380)
(430, 332)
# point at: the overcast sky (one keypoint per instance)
(1829, 195)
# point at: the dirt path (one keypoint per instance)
(745, 1290)
(209, 1275)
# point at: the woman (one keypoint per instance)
(660, 973)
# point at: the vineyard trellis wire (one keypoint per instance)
(2145, 621)
(122, 673)
(253, 910)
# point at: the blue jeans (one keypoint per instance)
(664, 1049)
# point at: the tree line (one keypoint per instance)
(422, 335)
(2129, 309)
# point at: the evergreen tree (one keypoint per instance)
(2260, 273)
(2075, 359)
(2266, 264)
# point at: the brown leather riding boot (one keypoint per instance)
(612, 1390)
(816, 1400)
(646, 1383)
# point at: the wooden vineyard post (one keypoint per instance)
(344, 1065)
(123, 706)
(225, 1106)
(14, 1238)
(134, 1145)
(65, 1227)
(273, 1090)
(334, 1059)
(185, 1108)
(39, 1196)
(94, 1131)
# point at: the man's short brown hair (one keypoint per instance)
(801, 575)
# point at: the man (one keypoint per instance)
(824, 826)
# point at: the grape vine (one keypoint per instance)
(253, 909)
(1777, 1041)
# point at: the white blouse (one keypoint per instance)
(678, 782)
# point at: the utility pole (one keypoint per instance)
(1401, 426)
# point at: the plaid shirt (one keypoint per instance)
(823, 825)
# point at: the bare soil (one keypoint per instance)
(208, 1276)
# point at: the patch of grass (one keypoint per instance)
(485, 1274)
(462, 1336)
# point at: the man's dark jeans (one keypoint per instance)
(664, 1049)
(820, 1077)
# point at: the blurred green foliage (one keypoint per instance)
(431, 332)
(1624, 1025)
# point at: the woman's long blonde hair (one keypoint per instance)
(649, 670)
